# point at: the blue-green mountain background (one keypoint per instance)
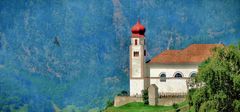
(90, 64)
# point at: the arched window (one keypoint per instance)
(136, 41)
(193, 74)
(191, 80)
(162, 77)
(178, 75)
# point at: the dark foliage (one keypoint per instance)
(123, 93)
(109, 104)
(145, 96)
(219, 78)
(190, 95)
(175, 105)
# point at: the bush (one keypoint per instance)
(123, 93)
(190, 96)
(109, 103)
(175, 105)
(145, 97)
(236, 105)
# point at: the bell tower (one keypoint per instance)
(137, 60)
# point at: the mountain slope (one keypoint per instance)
(76, 52)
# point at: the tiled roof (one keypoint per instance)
(195, 53)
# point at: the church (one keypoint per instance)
(169, 71)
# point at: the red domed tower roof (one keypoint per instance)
(138, 30)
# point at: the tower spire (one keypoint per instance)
(138, 30)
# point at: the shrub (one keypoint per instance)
(123, 93)
(109, 103)
(145, 97)
(190, 96)
(175, 105)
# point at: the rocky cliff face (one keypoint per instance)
(76, 52)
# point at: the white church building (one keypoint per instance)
(169, 70)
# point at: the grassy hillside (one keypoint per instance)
(140, 107)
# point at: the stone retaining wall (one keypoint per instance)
(169, 101)
(166, 101)
(122, 100)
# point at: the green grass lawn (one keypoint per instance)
(140, 107)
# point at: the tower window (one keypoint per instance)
(135, 53)
(162, 77)
(136, 41)
(145, 53)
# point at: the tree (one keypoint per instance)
(219, 78)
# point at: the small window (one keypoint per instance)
(162, 77)
(136, 41)
(178, 75)
(145, 53)
(135, 54)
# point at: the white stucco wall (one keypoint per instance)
(139, 41)
(170, 70)
(136, 86)
(170, 86)
(136, 61)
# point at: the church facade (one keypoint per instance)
(169, 70)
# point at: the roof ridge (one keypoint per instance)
(194, 53)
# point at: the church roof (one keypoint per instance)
(193, 54)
